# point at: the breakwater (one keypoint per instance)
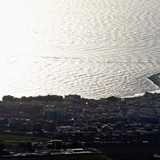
(155, 78)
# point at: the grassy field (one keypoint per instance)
(8, 138)
(114, 153)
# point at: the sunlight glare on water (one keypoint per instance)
(93, 48)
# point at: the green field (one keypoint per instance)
(8, 138)
(115, 153)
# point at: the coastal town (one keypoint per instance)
(82, 123)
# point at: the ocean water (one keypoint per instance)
(96, 49)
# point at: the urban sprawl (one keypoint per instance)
(81, 124)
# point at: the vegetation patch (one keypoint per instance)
(7, 139)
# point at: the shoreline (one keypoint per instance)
(155, 78)
(58, 98)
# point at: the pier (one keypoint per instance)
(155, 78)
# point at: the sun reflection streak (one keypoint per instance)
(12, 32)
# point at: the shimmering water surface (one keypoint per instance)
(94, 48)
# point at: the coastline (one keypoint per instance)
(155, 78)
(106, 123)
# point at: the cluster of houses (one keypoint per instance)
(110, 119)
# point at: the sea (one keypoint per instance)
(92, 48)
